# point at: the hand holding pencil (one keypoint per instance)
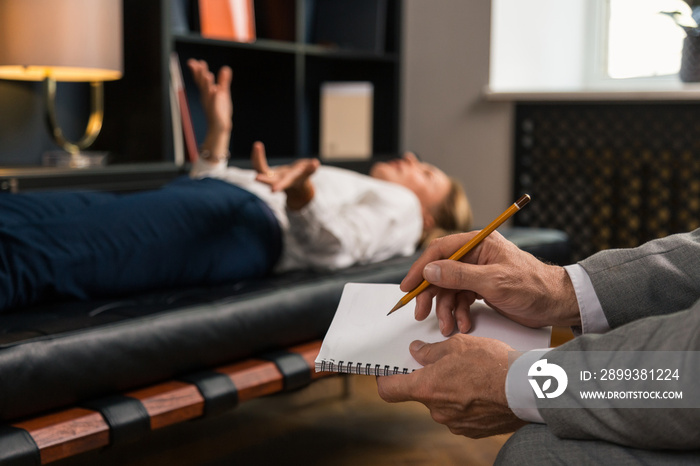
(468, 246)
(511, 280)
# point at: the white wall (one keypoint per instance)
(445, 118)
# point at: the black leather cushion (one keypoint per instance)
(59, 355)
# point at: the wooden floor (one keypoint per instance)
(321, 424)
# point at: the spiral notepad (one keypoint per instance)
(363, 340)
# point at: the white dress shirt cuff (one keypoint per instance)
(593, 318)
(202, 168)
(521, 397)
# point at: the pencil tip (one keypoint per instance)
(398, 306)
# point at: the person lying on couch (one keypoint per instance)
(220, 225)
(349, 218)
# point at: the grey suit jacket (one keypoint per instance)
(650, 296)
(659, 277)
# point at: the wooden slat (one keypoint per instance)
(67, 433)
(254, 378)
(73, 431)
(170, 402)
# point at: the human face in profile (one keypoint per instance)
(430, 184)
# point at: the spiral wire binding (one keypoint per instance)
(359, 368)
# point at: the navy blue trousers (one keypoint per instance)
(87, 245)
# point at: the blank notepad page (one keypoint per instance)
(362, 339)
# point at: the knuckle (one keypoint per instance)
(425, 352)
(438, 416)
(454, 275)
(502, 280)
(382, 391)
(423, 393)
(460, 272)
(434, 243)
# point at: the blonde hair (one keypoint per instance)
(453, 215)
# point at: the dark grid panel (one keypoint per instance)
(610, 175)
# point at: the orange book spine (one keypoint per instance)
(228, 19)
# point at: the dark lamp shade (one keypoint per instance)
(68, 40)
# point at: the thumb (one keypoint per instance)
(313, 166)
(427, 353)
(308, 167)
(258, 158)
(225, 77)
(454, 275)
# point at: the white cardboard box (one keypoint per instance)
(346, 120)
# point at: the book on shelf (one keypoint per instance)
(356, 24)
(178, 83)
(346, 120)
(179, 16)
(275, 19)
(363, 340)
(227, 20)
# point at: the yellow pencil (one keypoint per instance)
(519, 204)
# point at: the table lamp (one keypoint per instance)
(64, 40)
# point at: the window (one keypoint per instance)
(570, 45)
(641, 40)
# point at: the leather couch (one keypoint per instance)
(60, 354)
(73, 353)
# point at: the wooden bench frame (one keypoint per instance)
(73, 431)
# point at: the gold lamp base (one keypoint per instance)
(74, 154)
(63, 159)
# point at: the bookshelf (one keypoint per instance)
(276, 79)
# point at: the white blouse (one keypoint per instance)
(352, 219)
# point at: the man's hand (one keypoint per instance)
(293, 179)
(510, 280)
(462, 383)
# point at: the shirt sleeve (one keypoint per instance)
(593, 318)
(521, 397)
(372, 229)
(203, 169)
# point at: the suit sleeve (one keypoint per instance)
(647, 428)
(659, 277)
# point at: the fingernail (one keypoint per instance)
(461, 324)
(465, 325)
(432, 272)
(417, 345)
